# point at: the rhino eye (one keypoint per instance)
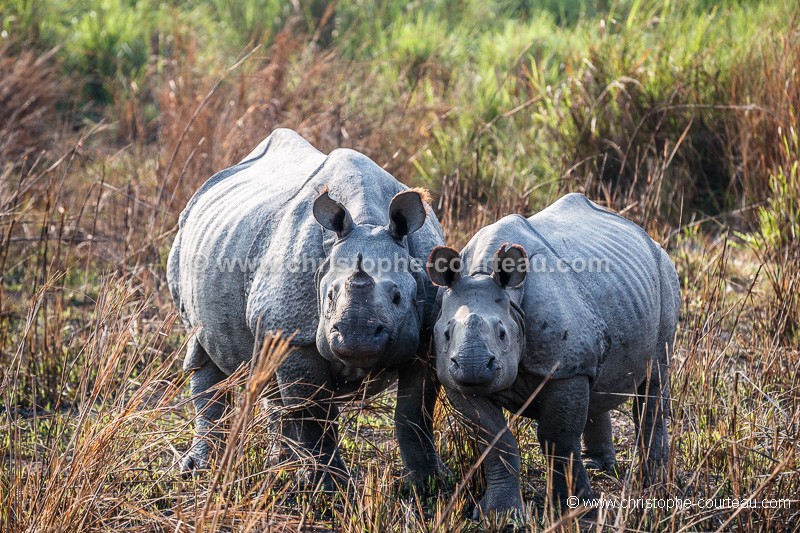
(396, 298)
(502, 334)
(447, 334)
(330, 295)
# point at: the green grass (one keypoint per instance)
(591, 93)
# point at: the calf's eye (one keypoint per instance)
(396, 298)
(502, 334)
(447, 335)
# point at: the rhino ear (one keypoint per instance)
(510, 266)
(406, 213)
(444, 266)
(332, 215)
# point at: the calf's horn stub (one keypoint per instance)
(444, 266)
(510, 266)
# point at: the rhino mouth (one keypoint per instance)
(359, 343)
(483, 389)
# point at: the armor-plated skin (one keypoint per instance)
(592, 322)
(295, 241)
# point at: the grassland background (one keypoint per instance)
(682, 116)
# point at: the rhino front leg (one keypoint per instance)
(599, 452)
(563, 407)
(650, 409)
(502, 464)
(309, 414)
(209, 405)
(417, 390)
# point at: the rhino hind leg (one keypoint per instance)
(650, 410)
(209, 405)
(599, 453)
(308, 420)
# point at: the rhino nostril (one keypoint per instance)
(454, 360)
(490, 363)
(335, 328)
(380, 329)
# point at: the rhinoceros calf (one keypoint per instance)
(591, 322)
(263, 246)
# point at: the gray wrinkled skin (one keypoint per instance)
(351, 323)
(600, 336)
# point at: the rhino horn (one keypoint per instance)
(360, 277)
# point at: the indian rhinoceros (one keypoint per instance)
(562, 315)
(323, 248)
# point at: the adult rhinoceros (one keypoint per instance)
(321, 247)
(589, 323)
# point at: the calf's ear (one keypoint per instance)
(406, 213)
(510, 266)
(332, 215)
(444, 266)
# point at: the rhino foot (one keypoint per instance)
(198, 458)
(606, 465)
(193, 465)
(653, 473)
(328, 480)
(424, 483)
(509, 502)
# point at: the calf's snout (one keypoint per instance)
(473, 369)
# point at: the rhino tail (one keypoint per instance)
(670, 303)
(670, 309)
(174, 272)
